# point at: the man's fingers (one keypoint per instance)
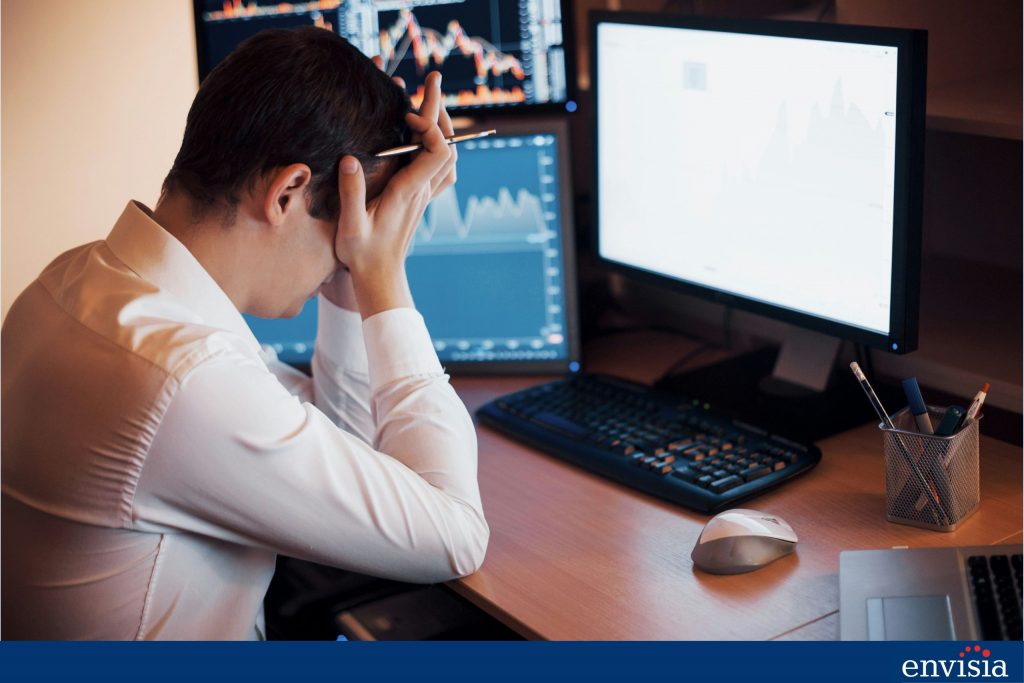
(378, 61)
(426, 164)
(430, 134)
(431, 97)
(352, 193)
(430, 167)
(445, 122)
(443, 178)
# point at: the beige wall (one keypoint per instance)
(94, 98)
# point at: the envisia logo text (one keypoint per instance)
(971, 662)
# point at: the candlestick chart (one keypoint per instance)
(477, 50)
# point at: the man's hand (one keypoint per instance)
(338, 290)
(373, 239)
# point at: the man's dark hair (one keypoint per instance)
(283, 97)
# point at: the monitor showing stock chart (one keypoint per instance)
(491, 265)
(491, 53)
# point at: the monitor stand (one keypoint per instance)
(803, 366)
(787, 392)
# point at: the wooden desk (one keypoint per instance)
(575, 556)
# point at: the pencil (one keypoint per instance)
(408, 149)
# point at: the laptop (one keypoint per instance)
(964, 593)
(492, 264)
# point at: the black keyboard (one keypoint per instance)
(672, 448)
(996, 589)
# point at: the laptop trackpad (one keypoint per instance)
(910, 618)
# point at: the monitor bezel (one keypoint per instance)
(568, 46)
(908, 171)
(559, 127)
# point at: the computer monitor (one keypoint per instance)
(492, 264)
(492, 54)
(771, 166)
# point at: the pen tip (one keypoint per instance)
(985, 388)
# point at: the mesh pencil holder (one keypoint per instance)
(930, 481)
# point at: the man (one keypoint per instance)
(155, 459)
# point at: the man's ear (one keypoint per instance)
(286, 191)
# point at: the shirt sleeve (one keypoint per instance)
(340, 386)
(295, 381)
(239, 458)
(341, 383)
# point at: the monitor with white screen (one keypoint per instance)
(492, 264)
(771, 166)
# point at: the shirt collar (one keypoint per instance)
(158, 257)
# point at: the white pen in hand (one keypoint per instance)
(451, 140)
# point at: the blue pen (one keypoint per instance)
(917, 406)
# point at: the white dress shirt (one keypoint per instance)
(156, 459)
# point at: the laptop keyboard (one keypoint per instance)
(996, 588)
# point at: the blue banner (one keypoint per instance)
(692, 662)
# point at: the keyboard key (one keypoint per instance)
(645, 444)
(685, 473)
(755, 472)
(725, 483)
(705, 480)
(1000, 565)
(559, 424)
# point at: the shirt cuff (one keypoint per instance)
(340, 336)
(398, 346)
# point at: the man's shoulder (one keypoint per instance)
(87, 296)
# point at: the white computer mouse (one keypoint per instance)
(738, 541)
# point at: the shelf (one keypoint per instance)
(989, 107)
(974, 48)
(969, 330)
